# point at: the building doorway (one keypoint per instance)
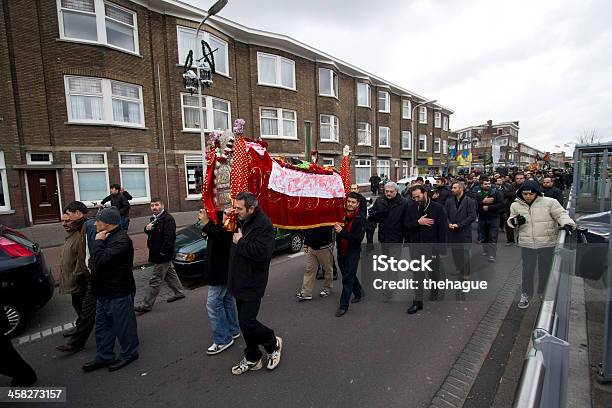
(44, 197)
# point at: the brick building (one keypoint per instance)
(93, 95)
(528, 155)
(483, 137)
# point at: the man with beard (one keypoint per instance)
(510, 196)
(549, 190)
(441, 191)
(461, 212)
(426, 225)
(490, 204)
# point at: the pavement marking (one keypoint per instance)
(44, 333)
(295, 255)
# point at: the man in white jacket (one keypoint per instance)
(536, 220)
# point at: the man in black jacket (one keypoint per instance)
(11, 363)
(120, 201)
(249, 265)
(111, 263)
(490, 204)
(441, 192)
(388, 213)
(426, 225)
(549, 190)
(220, 304)
(161, 235)
(510, 196)
(461, 213)
(375, 184)
(348, 243)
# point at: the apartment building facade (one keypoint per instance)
(93, 95)
(529, 155)
(482, 138)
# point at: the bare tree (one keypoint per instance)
(588, 136)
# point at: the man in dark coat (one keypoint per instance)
(461, 213)
(490, 204)
(120, 201)
(549, 190)
(510, 196)
(111, 263)
(161, 235)
(220, 304)
(441, 192)
(426, 225)
(375, 184)
(250, 257)
(11, 363)
(388, 213)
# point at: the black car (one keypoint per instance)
(26, 282)
(190, 249)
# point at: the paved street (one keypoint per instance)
(376, 355)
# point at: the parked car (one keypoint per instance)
(401, 184)
(26, 282)
(190, 249)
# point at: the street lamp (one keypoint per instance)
(415, 169)
(214, 9)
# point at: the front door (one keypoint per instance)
(44, 200)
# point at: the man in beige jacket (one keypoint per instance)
(536, 220)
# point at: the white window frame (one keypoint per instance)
(387, 102)
(423, 114)
(279, 82)
(406, 115)
(191, 158)
(279, 124)
(423, 137)
(107, 103)
(363, 163)
(438, 119)
(145, 166)
(335, 84)
(387, 167)
(100, 25)
(405, 169)
(5, 189)
(206, 36)
(96, 167)
(409, 133)
(335, 135)
(368, 94)
(380, 131)
(445, 147)
(445, 123)
(437, 144)
(39, 163)
(368, 131)
(330, 162)
(208, 110)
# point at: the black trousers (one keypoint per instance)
(543, 258)
(461, 258)
(12, 365)
(84, 304)
(255, 333)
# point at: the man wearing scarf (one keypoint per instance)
(349, 240)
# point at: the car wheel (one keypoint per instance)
(296, 242)
(16, 319)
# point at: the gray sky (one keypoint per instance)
(543, 62)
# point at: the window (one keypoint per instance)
(383, 101)
(422, 143)
(383, 167)
(90, 174)
(406, 109)
(274, 70)
(423, 114)
(187, 41)
(217, 113)
(193, 176)
(39, 158)
(437, 145)
(384, 136)
(278, 123)
(328, 162)
(329, 129)
(404, 168)
(134, 174)
(437, 119)
(445, 123)
(363, 171)
(406, 140)
(98, 21)
(103, 101)
(5, 203)
(364, 134)
(444, 147)
(328, 82)
(363, 94)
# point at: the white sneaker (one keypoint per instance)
(245, 365)
(275, 357)
(217, 348)
(301, 296)
(524, 302)
(235, 336)
(325, 293)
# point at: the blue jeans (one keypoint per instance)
(124, 223)
(116, 320)
(221, 308)
(350, 282)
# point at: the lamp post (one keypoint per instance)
(415, 169)
(214, 9)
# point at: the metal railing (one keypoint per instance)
(543, 381)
